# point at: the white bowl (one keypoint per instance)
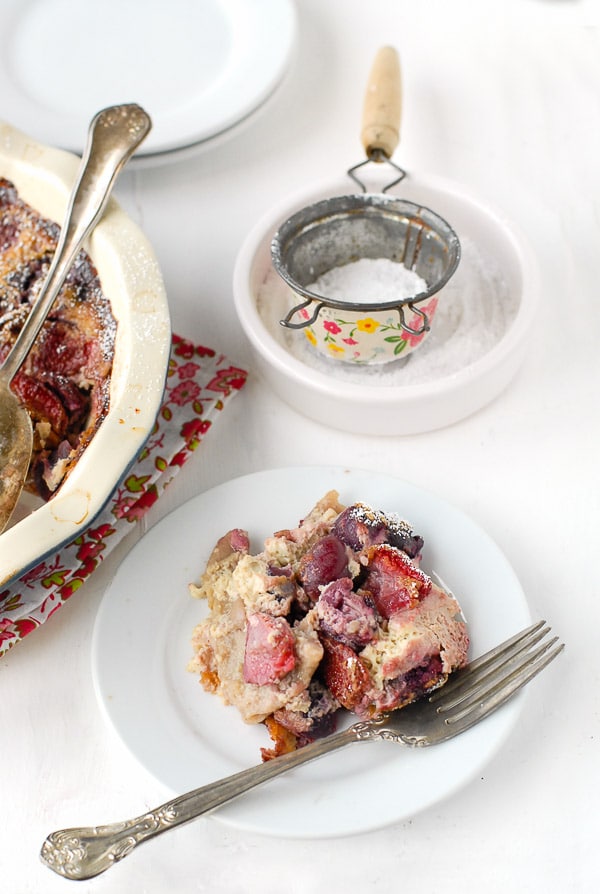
(131, 279)
(432, 388)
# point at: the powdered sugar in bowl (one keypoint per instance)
(369, 271)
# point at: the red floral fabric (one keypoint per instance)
(200, 382)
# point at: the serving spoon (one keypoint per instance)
(114, 135)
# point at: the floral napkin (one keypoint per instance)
(200, 382)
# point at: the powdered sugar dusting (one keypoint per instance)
(369, 281)
(375, 518)
(475, 310)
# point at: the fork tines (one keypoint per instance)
(490, 680)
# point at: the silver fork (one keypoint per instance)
(470, 695)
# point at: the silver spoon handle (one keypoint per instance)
(114, 135)
(83, 853)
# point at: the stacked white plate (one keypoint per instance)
(198, 68)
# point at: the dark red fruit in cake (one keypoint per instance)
(75, 401)
(392, 581)
(360, 526)
(422, 678)
(345, 675)
(344, 614)
(326, 561)
(60, 349)
(317, 721)
(42, 401)
(269, 653)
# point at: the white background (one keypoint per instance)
(503, 98)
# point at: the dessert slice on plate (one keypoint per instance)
(333, 614)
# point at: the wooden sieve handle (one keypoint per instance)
(382, 105)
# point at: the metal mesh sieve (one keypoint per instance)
(343, 229)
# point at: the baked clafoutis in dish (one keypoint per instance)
(333, 614)
(65, 380)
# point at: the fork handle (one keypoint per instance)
(82, 853)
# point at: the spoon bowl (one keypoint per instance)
(114, 135)
(16, 445)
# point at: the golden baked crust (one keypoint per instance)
(65, 381)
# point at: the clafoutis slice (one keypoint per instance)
(333, 614)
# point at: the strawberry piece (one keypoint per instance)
(60, 349)
(41, 401)
(393, 581)
(270, 653)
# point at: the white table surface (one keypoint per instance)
(504, 98)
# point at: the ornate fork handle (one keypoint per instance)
(85, 852)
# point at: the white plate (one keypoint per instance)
(197, 67)
(186, 737)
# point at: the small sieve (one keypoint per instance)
(343, 229)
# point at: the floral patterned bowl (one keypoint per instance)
(369, 337)
(328, 236)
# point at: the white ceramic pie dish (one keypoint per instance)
(397, 401)
(131, 279)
